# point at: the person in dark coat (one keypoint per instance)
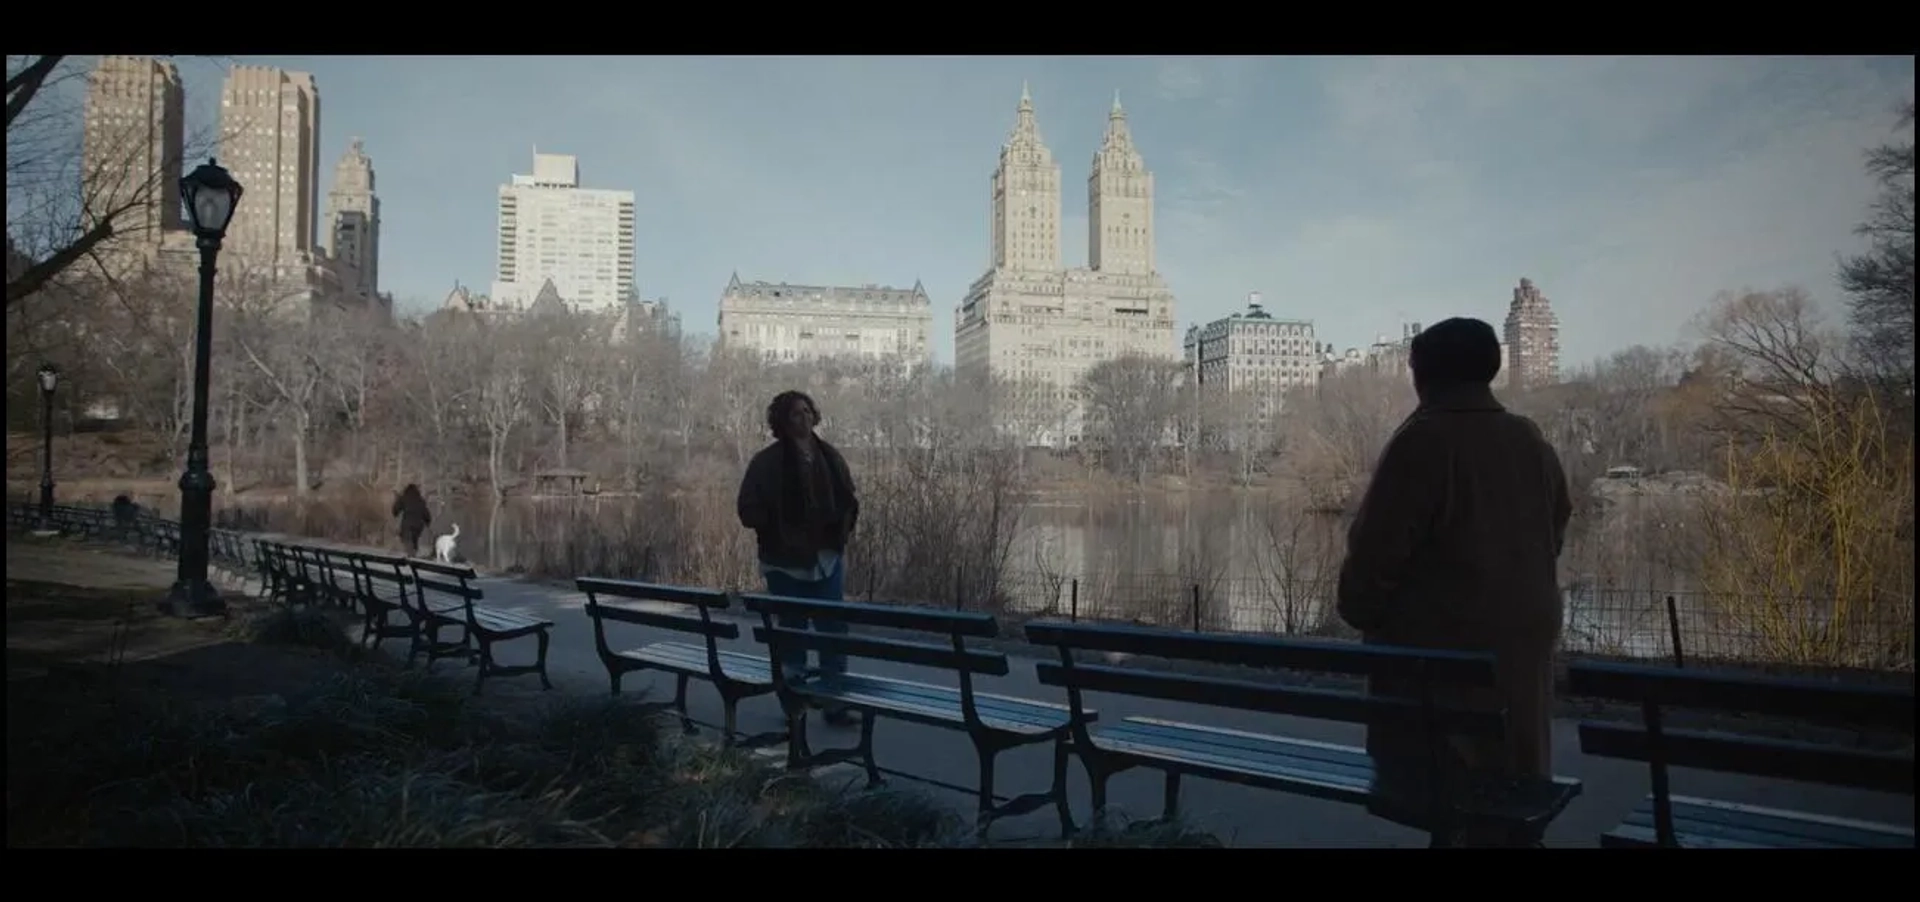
(411, 507)
(124, 513)
(798, 498)
(1455, 546)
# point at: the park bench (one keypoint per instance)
(1669, 820)
(994, 723)
(289, 581)
(229, 550)
(484, 625)
(735, 675)
(82, 521)
(336, 576)
(1296, 766)
(164, 535)
(266, 557)
(141, 531)
(428, 616)
(305, 562)
(381, 584)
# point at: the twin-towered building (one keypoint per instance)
(1040, 325)
(1028, 320)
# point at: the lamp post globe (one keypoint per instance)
(49, 376)
(210, 196)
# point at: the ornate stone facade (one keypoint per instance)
(1041, 325)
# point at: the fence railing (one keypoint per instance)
(1672, 625)
(1633, 623)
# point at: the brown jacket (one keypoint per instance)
(776, 508)
(1455, 546)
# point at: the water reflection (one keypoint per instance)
(1227, 560)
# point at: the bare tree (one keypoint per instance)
(360, 361)
(437, 387)
(1880, 282)
(1335, 430)
(1245, 419)
(1779, 361)
(290, 337)
(68, 203)
(570, 349)
(1812, 542)
(1132, 405)
(503, 381)
(1298, 559)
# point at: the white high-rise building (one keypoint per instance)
(551, 229)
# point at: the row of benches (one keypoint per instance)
(383, 586)
(151, 534)
(396, 597)
(1088, 661)
(436, 608)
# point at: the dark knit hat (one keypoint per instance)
(1460, 350)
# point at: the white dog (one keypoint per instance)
(443, 546)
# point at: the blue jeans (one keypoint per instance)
(833, 588)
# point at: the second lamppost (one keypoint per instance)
(49, 379)
(210, 195)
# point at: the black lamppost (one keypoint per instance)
(49, 379)
(210, 196)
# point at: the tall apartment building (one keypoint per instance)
(353, 222)
(1254, 350)
(270, 141)
(811, 322)
(1030, 320)
(551, 229)
(1532, 339)
(132, 145)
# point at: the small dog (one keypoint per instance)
(443, 547)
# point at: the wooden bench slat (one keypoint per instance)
(499, 620)
(1305, 767)
(940, 702)
(1258, 752)
(1712, 824)
(1709, 823)
(680, 657)
(1756, 756)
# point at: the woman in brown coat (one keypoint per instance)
(411, 507)
(1455, 546)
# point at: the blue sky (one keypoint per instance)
(1358, 192)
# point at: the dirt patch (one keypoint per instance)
(90, 614)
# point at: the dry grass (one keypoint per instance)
(352, 752)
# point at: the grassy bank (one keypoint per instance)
(366, 754)
(280, 733)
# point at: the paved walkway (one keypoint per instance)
(1241, 816)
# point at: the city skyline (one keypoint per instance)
(1355, 193)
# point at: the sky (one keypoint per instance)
(1359, 193)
